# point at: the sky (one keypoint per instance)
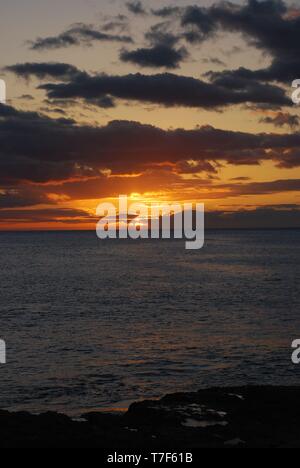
(162, 101)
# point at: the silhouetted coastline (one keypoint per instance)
(243, 417)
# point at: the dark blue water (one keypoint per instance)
(92, 323)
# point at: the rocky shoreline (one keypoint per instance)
(241, 417)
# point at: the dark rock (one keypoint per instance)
(218, 417)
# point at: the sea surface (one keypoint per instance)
(91, 324)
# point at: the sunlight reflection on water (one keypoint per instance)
(91, 323)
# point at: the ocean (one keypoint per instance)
(92, 324)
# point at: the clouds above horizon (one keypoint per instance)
(156, 56)
(165, 89)
(270, 26)
(234, 60)
(78, 34)
(267, 25)
(136, 7)
(47, 161)
(38, 149)
(279, 119)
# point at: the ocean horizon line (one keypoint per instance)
(292, 228)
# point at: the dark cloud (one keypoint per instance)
(263, 188)
(214, 61)
(200, 23)
(161, 34)
(265, 24)
(37, 149)
(78, 34)
(31, 158)
(165, 12)
(45, 215)
(262, 22)
(119, 22)
(167, 90)
(156, 56)
(44, 70)
(281, 119)
(260, 218)
(289, 159)
(17, 169)
(136, 7)
(280, 70)
(161, 51)
(40, 155)
(240, 179)
(106, 102)
(243, 79)
(18, 198)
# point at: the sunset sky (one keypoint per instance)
(159, 100)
